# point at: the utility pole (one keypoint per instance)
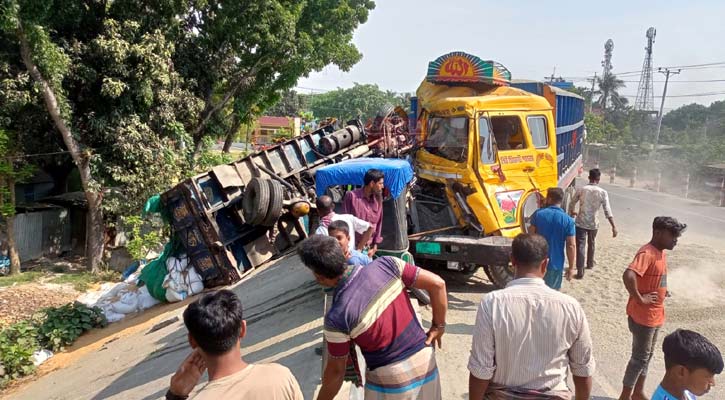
(591, 94)
(667, 73)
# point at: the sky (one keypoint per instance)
(532, 38)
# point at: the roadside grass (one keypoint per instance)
(22, 278)
(81, 281)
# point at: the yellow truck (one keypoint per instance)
(488, 149)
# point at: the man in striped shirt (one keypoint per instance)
(527, 336)
(371, 308)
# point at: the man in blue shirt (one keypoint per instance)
(559, 229)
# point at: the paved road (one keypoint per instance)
(283, 308)
(636, 208)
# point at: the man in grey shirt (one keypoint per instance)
(514, 352)
(591, 197)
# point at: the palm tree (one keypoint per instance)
(609, 84)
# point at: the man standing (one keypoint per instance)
(326, 211)
(514, 354)
(371, 308)
(592, 197)
(367, 203)
(646, 282)
(216, 329)
(553, 223)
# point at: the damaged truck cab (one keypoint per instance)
(486, 155)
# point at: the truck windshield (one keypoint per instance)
(488, 151)
(448, 138)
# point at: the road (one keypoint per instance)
(637, 208)
(283, 308)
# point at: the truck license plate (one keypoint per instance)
(428, 248)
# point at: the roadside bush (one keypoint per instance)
(17, 344)
(144, 236)
(60, 326)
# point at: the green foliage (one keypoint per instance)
(144, 236)
(19, 279)
(59, 327)
(361, 100)
(143, 87)
(18, 342)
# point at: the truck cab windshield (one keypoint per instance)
(508, 132)
(448, 138)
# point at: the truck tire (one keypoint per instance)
(256, 201)
(276, 196)
(499, 275)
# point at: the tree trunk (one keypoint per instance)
(95, 227)
(9, 183)
(232, 133)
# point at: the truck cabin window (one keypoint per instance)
(485, 137)
(537, 127)
(508, 132)
(448, 138)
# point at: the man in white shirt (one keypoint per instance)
(326, 211)
(528, 336)
(591, 197)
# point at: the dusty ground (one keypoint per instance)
(22, 301)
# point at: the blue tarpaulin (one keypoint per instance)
(398, 173)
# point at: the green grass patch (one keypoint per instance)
(81, 281)
(22, 278)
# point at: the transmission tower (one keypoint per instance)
(607, 62)
(606, 65)
(645, 93)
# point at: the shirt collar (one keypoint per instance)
(526, 281)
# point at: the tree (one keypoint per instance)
(291, 104)
(609, 85)
(250, 51)
(360, 101)
(12, 171)
(135, 91)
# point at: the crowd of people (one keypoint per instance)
(527, 337)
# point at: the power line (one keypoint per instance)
(683, 95)
(702, 81)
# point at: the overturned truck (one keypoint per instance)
(483, 149)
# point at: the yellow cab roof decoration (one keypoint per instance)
(449, 100)
(466, 68)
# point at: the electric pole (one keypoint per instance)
(591, 94)
(667, 73)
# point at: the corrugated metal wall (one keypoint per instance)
(42, 233)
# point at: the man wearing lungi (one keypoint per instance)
(371, 308)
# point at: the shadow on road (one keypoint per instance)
(283, 311)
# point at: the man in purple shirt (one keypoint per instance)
(366, 203)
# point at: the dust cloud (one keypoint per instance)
(702, 283)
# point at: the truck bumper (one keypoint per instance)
(491, 250)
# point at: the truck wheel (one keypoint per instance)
(276, 196)
(500, 275)
(256, 201)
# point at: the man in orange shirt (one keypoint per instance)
(646, 282)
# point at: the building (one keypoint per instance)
(267, 129)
